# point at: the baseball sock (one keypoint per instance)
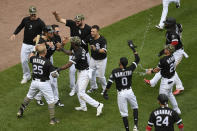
(135, 115)
(51, 108)
(126, 124)
(25, 103)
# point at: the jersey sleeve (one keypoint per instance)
(42, 24)
(70, 23)
(161, 64)
(134, 64)
(31, 59)
(20, 27)
(111, 78)
(50, 66)
(177, 119)
(104, 45)
(151, 120)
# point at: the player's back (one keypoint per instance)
(123, 78)
(41, 68)
(164, 118)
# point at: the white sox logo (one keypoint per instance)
(30, 27)
(97, 46)
(80, 32)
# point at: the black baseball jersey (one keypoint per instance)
(32, 29)
(163, 119)
(123, 77)
(50, 50)
(80, 59)
(167, 66)
(76, 31)
(41, 67)
(99, 43)
(174, 36)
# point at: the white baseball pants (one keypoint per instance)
(72, 71)
(25, 52)
(82, 83)
(126, 96)
(97, 69)
(44, 88)
(166, 86)
(165, 10)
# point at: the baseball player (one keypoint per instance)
(32, 27)
(79, 59)
(163, 118)
(167, 66)
(52, 44)
(98, 59)
(40, 82)
(123, 79)
(165, 11)
(77, 28)
(173, 37)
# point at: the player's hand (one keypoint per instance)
(13, 37)
(131, 45)
(54, 13)
(55, 74)
(59, 46)
(93, 47)
(149, 71)
(65, 40)
(105, 95)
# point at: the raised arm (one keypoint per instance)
(58, 18)
(18, 29)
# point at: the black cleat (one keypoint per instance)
(53, 121)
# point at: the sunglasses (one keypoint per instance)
(33, 15)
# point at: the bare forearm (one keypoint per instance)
(67, 52)
(66, 66)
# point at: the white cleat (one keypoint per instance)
(159, 27)
(25, 80)
(135, 128)
(102, 92)
(72, 93)
(81, 108)
(99, 109)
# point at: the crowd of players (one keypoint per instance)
(41, 41)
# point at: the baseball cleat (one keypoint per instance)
(177, 92)
(91, 90)
(159, 27)
(59, 104)
(20, 113)
(72, 93)
(25, 80)
(147, 81)
(99, 109)
(53, 121)
(81, 108)
(40, 102)
(135, 128)
(102, 92)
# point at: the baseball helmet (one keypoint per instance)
(79, 17)
(124, 61)
(76, 40)
(170, 48)
(170, 22)
(48, 29)
(163, 99)
(32, 10)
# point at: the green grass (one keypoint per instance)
(134, 27)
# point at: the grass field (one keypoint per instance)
(140, 28)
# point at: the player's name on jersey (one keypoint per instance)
(170, 60)
(39, 61)
(121, 74)
(163, 112)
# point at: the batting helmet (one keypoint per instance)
(170, 48)
(76, 40)
(124, 61)
(48, 29)
(170, 22)
(32, 10)
(163, 99)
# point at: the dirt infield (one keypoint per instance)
(100, 12)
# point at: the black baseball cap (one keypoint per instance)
(124, 61)
(163, 99)
(170, 21)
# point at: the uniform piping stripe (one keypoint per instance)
(150, 123)
(110, 81)
(179, 121)
(175, 40)
(104, 49)
(135, 64)
(72, 61)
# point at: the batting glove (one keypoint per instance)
(131, 45)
